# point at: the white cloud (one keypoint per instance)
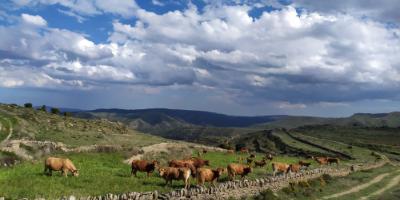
(34, 19)
(283, 56)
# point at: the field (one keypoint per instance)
(100, 173)
(340, 188)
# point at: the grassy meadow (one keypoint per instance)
(100, 173)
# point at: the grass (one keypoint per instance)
(100, 173)
(319, 188)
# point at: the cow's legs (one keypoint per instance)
(65, 172)
(133, 172)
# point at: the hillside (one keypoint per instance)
(30, 133)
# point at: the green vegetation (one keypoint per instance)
(55, 111)
(28, 105)
(41, 126)
(326, 185)
(100, 173)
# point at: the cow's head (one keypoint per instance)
(155, 163)
(162, 171)
(207, 162)
(219, 171)
(75, 172)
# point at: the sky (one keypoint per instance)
(239, 57)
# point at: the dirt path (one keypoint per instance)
(359, 187)
(393, 182)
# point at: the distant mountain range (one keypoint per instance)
(214, 128)
(159, 116)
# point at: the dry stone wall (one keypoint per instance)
(238, 188)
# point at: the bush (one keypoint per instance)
(55, 111)
(266, 195)
(67, 114)
(28, 105)
(43, 108)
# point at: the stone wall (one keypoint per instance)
(237, 188)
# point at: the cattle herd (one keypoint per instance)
(196, 167)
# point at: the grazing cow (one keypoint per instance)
(183, 163)
(59, 164)
(304, 164)
(321, 160)
(174, 173)
(280, 168)
(252, 155)
(205, 151)
(208, 175)
(143, 166)
(333, 160)
(260, 163)
(268, 157)
(294, 168)
(238, 169)
(244, 150)
(198, 162)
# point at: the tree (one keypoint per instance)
(55, 111)
(28, 105)
(43, 108)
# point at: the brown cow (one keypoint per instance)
(304, 163)
(268, 157)
(174, 173)
(208, 175)
(321, 160)
(244, 150)
(294, 168)
(198, 162)
(279, 167)
(143, 166)
(238, 169)
(260, 163)
(183, 163)
(333, 160)
(60, 164)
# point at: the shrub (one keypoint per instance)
(67, 114)
(266, 195)
(28, 105)
(55, 111)
(43, 108)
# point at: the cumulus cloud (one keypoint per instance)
(34, 19)
(290, 57)
(125, 8)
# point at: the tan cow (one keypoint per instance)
(238, 169)
(174, 173)
(208, 175)
(321, 160)
(59, 164)
(294, 168)
(183, 163)
(143, 166)
(279, 167)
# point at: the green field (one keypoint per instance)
(319, 188)
(100, 173)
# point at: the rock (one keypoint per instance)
(71, 197)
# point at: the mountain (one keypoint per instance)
(201, 118)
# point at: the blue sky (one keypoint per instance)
(249, 57)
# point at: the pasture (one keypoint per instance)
(100, 173)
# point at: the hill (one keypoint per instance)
(30, 133)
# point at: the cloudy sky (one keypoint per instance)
(249, 57)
